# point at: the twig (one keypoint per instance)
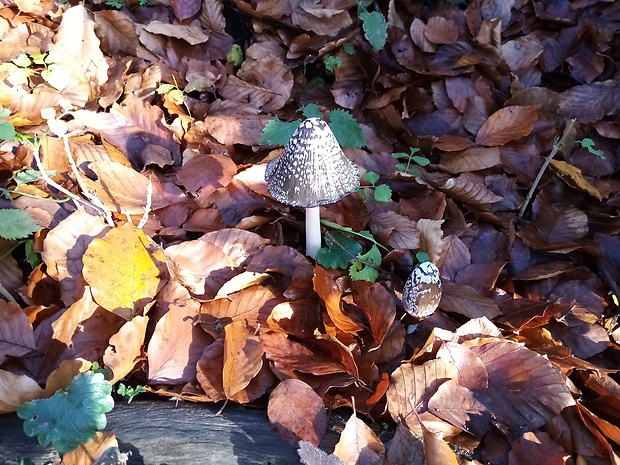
(6, 294)
(558, 145)
(147, 207)
(94, 201)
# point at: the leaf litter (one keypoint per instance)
(197, 283)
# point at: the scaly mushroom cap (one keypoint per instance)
(312, 170)
(422, 291)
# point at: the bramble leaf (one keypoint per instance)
(375, 29)
(366, 269)
(7, 130)
(16, 224)
(346, 129)
(26, 176)
(339, 251)
(371, 177)
(71, 416)
(278, 132)
(311, 111)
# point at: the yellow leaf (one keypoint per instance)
(573, 177)
(120, 271)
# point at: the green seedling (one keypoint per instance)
(374, 25)
(382, 192)
(129, 392)
(235, 56)
(407, 161)
(331, 62)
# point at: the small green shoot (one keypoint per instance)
(331, 62)
(422, 257)
(366, 268)
(72, 415)
(405, 165)
(129, 392)
(311, 111)
(339, 250)
(7, 130)
(348, 48)
(16, 224)
(235, 56)
(382, 192)
(588, 144)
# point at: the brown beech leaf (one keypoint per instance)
(378, 306)
(212, 16)
(16, 335)
(206, 264)
(17, 389)
(471, 159)
(184, 9)
(411, 386)
(252, 305)
(69, 322)
(64, 248)
(319, 357)
(467, 188)
(506, 124)
(440, 30)
(526, 389)
(394, 230)
(589, 103)
(103, 445)
(243, 357)
(300, 318)
(472, 372)
(461, 407)
(313, 16)
(116, 31)
(405, 447)
(328, 289)
(467, 301)
(125, 348)
(556, 227)
(206, 173)
(536, 448)
(297, 413)
(436, 450)
(176, 345)
(521, 52)
(359, 444)
(209, 371)
(191, 34)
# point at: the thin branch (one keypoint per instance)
(558, 145)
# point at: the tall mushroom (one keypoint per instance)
(312, 171)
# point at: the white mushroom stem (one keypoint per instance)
(313, 231)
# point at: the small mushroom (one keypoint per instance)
(312, 171)
(422, 291)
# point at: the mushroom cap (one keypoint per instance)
(422, 291)
(312, 170)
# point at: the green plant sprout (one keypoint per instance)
(411, 157)
(374, 25)
(20, 69)
(72, 416)
(382, 192)
(129, 392)
(343, 251)
(331, 62)
(175, 93)
(235, 56)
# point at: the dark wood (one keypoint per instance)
(159, 432)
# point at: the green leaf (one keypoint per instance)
(371, 177)
(278, 132)
(588, 143)
(340, 250)
(4, 113)
(7, 131)
(363, 4)
(129, 392)
(26, 176)
(422, 257)
(39, 58)
(16, 224)
(32, 257)
(72, 416)
(331, 62)
(366, 269)
(422, 161)
(348, 48)
(383, 193)
(311, 111)
(375, 29)
(346, 129)
(165, 88)
(235, 56)
(115, 4)
(22, 61)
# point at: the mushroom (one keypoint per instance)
(422, 291)
(312, 171)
